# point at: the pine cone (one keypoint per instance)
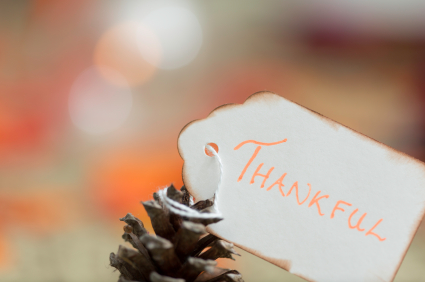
(177, 252)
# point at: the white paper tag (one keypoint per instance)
(304, 192)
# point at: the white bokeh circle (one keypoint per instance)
(179, 34)
(97, 106)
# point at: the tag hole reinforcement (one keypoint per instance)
(208, 152)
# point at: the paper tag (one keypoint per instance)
(304, 192)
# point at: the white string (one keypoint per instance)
(185, 211)
(220, 164)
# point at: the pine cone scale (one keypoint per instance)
(162, 252)
(187, 238)
(177, 252)
(137, 225)
(203, 243)
(160, 220)
(194, 266)
(134, 240)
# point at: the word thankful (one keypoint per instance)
(316, 198)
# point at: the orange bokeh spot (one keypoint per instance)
(36, 213)
(18, 129)
(39, 213)
(118, 49)
(5, 260)
(123, 179)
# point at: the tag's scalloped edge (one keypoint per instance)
(395, 154)
(217, 109)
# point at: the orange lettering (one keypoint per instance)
(279, 182)
(374, 234)
(259, 143)
(316, 201)
(266, 176)
(358, 222)
(295, 185)
(338, 208)
(249, 162)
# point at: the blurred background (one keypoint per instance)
(93, 95)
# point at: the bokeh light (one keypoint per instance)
(68, 68)
(118, 49)
(97, 106)
(123, 178)
(179, 33)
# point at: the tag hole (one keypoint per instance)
(208, 152)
